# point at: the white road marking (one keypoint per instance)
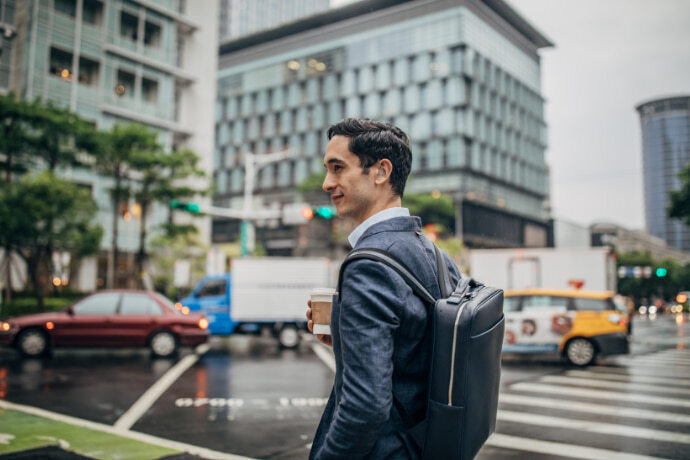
(593, 427)
(324, 353)
(194, 450)
(599, 394)
(151, 395)
(630, 377)
(601, 409)
(614, 385)
(653, 362)
(560, 449)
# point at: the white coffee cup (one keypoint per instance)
(321, 304)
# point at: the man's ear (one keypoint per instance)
(384, 172)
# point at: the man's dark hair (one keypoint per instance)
(374, 140)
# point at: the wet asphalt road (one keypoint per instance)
(247, 396)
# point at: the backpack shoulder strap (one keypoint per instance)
(388, 259)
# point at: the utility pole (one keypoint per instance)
(252, 164)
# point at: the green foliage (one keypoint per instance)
(312, 183)
(676, 280)
(166, 250)
(29, 305)
(437, 211)
(680, 199)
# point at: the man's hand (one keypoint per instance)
(323, 338)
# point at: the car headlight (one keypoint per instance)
(203, 323)
(5, 326)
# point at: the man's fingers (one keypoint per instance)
(310, 325)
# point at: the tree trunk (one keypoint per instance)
(8, 267)
(116, 214)
(141, 255)
(33, 266)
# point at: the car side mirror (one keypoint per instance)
(70, 311)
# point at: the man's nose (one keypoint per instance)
(328, 183)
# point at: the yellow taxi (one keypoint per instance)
(579, 325)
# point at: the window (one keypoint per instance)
(594, 304)
(68, 7)
(149, 90)
(88, 72)
(511, 304)
(98, 304)
(152, 35)
(128, 26)
(544, 301)
(212, 288)
(61, 64)
(139, 304)
(92, 12)
(125, 84)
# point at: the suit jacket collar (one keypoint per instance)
(396, 224)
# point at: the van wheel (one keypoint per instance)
(288, 336)
(163, 344)
(580, 352)
(32, 342)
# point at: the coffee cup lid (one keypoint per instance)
(323, 291)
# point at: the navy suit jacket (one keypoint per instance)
(382, 347)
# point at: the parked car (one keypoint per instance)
(579, 325)
(113, 318)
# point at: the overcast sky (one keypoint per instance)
(610, 55)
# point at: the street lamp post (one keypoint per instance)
(252, 164)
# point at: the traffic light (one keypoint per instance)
(300, 213)
(189, 207)
(325, 212)
(661, 272)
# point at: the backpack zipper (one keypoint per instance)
(452, 359)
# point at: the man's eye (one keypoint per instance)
(337, 168)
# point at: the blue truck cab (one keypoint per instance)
(211, 296)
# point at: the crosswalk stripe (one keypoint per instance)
(630, 377)
(627, 369)
(560, 449)
(599, 394)
(655, 359)
(615, 385)
(592, 408)
(593, 427)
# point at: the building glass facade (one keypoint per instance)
(118, 61)
(244, 17)
(665, 152)
(467, 94)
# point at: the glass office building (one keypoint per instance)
(144, 61)
(665, 152)
(244, 17)
(7, 33)
(462, 78)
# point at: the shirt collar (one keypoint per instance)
(375, 219)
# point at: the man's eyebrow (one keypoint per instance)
(334, 161)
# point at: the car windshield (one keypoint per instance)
(168, 303)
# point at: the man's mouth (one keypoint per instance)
(335, 197)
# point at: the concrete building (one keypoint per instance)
(624, 240)
(147, 61)
(665, 152)
(461, 77)
(245, 17)
(7, 33)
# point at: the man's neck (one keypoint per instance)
(395, 202)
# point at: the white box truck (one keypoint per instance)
(267, 293)
(592, 269)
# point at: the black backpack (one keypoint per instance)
(467, 335)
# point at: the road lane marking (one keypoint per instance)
(135, 435)
(150, 396)
(626, 369)
(324, 353)
(593, 427)
(599, 394)
(601, 409)
(630, 377)
(653, 362)
(560, 449)
(615, 385)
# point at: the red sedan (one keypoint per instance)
(114, 318)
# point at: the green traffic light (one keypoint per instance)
(193, 208)
(661, 272)
(325, 212)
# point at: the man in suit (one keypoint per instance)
(379, 327)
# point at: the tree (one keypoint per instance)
(118, 148)
(433, 209)
(43, 214)
(160, 173)
(680, 199)
(167, 250)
